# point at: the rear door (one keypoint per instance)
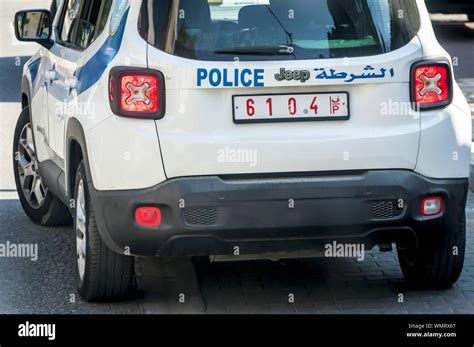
(271, 87)
(80, 23)
(64, 58)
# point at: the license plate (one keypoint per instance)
(291, 107)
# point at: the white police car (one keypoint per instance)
(218, 128)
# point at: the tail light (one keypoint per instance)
(137, 93)
(431, 85)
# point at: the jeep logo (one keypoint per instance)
(297, 75)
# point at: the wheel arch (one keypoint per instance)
(76, 151)
(25, 93)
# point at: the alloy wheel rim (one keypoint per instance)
(30, 179)
(81, 229)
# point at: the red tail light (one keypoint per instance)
(431, 84)
(138, 93)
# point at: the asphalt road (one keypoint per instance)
(317, 285)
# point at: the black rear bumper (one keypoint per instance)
(213, 215)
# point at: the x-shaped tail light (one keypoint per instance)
(431, 85)
(137, 92)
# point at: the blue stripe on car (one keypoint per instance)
(34, 67)
(92, 71)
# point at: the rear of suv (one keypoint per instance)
(178, 128)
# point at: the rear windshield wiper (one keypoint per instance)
(264, 50)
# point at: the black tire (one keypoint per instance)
(106, 275)
(51, 211)
(436, 265)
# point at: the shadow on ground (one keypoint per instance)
(325, 286)
(318, 285)
(11, 72)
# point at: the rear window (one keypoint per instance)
(278, 29)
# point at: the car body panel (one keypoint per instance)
(198, 125)
(370, 139)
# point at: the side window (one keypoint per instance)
(70, 14)
(103, 16)
(84, 21)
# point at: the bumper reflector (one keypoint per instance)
(148, 216)
(432, 206)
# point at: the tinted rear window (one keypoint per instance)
(278, 29)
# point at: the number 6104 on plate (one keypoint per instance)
(291, 107)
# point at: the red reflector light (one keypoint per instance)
(148, 216)
(431, 85)
(139, 93)
(432, 206)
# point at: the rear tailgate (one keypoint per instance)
(200, 134)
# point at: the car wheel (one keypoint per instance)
(101, 273)
(37, 202)
(438, 265)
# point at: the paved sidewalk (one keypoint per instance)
(323, 285)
